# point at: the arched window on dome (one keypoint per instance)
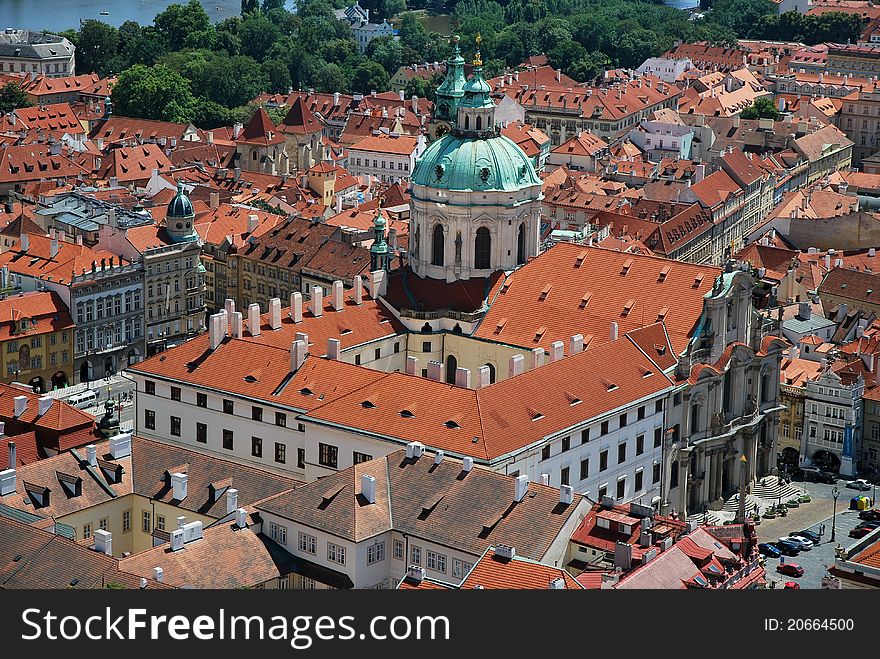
(479, 123)
(437, 246)
(482, 249)
(467, 122)
(521, 244)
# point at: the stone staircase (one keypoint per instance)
(770, 490)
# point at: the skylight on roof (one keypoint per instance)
(452, 425)
(368, 404)
(407, 414)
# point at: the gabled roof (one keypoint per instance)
(260, 130)
(591, 287)
(299, 119)
(493, 572)
(208, 477)
(852, 285)
(441, 503)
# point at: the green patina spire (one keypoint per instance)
(450, 92)
(379, 248)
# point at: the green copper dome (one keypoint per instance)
(459, 162)
(180, 206)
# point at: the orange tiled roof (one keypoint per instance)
(493, 571)
(591, 287)
(45, 310)
(71, 259)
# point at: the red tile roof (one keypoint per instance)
(71, 259)
(598, 276)
(260, 130)
(495, 572)
(401, 145)
(299, 120)
(46, 312)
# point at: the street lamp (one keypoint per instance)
(834, 494)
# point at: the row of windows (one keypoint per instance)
(309, 545)
(546, 452)
(401, 166)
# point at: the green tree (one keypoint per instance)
(565, 54)
(369, 77)
(249, 6)
(412, 33)
(155, 92)
(590, 67)
(390, 8)
(741, 16)
(269, 5)
(139, 45)
(12, 97)
(230, 81)
(388, 52)
(278, 76)
(209, 114)
(330, 78)
(422, 88)
(257, 35)
(96, 46)
(762, 108)
(184, 25)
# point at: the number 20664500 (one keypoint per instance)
(810, 624)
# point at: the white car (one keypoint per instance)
(803, 543)
(859, 484)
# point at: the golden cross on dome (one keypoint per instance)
(478, 60)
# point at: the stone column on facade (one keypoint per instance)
(719, 476)
(683, 471)
(713, 476)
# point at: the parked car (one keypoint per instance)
(787, 548)
(861, 531)
(817, 475)
(871, 514)
(791, 569)
(792, 585)
(868, 525)
(812, 536)
(802, 543)
(859, 484)
(768, 550)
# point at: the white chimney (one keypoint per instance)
(536, 358)
(516, 365)
(176, 540)
(143, 582)
(53, 247)
(178, 486)
(181, 521)
(414, 449)
(333, 347)
(275, 313)
(296, 307)
(828, 262)
(566, 494)
(317, 301)
(438, 457)
(415, 573)
(545, 479)
(614, 330)
(484, 377)
(435, 371)
(557, 584)
(24, 242)
(237, 325)
(576, 344)
(20, 405)
(467, 464)
(158, 574)
(241, 518)
(254, 319)
(520, 488)
(463, 377)
(505, 551)
(120, 445)
(231, 500)
(92, 455)
(556, 351)
(229, 305)
(7, 476)
(104, 542)
(337, 296)
(358, 291)
(412, 364)
(43, 404)
(298, 350)
(192, 531)
(214, 336)
(368, 488)
(377, 283)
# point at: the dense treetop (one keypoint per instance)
(206, 73)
